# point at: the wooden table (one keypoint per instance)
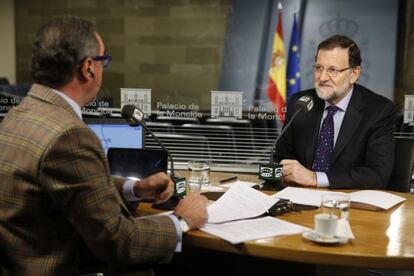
(383, 239)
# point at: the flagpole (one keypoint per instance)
(293, 65)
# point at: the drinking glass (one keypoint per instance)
(336, 204)
(199, 176)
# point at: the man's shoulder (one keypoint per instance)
(371, 97)
(51, 116)
(49, 120)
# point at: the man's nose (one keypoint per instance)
(324, 75)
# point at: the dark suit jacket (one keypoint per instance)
(364, 151)
(60, 210)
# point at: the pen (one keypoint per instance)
(258, 186)
(228, 179)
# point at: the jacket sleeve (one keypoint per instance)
(75, 173)
(376, 168)
(119, 185)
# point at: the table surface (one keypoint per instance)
(383, 239)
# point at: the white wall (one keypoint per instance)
(7, 41)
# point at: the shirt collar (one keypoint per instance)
(71, 102)
(343, 104)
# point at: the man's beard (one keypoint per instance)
(335, 94)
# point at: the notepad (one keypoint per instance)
(364, 199)
(374, 200)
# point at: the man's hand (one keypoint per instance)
(158, 186)
(193, 209)
(295, 173)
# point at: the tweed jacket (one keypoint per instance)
(60, 210)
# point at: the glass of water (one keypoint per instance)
(199, 175)
(336, 204)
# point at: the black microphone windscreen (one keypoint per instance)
(304, 103)
(127, 111)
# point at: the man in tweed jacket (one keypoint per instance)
(61, 213)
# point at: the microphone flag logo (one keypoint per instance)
(270, 172)
(180, 187)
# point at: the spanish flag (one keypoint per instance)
(277, 73)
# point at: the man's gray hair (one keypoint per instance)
(59, 48)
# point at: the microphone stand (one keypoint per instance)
(179, 182)
(272, 172)
(273, 151)
(128, 113)
(164, 148)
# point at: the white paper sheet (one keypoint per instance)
(248, 183)
(239, 202)
(365, 199)
(251, 229)
(343, 229)
(377, 199)
(303, 196)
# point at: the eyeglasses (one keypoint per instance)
(331, 71)
(106, 59)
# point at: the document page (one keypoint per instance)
(239, 202)
(374, 200)
(364, 199)
(303, 196)
(248, 183)
(251, 229)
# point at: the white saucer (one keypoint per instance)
(315, 237)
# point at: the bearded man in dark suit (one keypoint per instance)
(346, 140)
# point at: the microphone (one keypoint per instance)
(135, 117)
(272, 172)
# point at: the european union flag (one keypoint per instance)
(293, 67)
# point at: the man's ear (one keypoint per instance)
(86, 69)
(355, 73)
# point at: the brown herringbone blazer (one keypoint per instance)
(60, 211)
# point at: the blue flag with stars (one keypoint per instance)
(293, 67)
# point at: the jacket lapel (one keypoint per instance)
(314, 122)
(350, 124)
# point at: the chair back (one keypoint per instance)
(401, 176)
(4, 80)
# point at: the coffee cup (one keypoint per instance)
(325, 225)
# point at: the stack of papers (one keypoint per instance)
(227, 216)
(244, 230)
(239, 202)
(233, 217)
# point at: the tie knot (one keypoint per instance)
(332, 109)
